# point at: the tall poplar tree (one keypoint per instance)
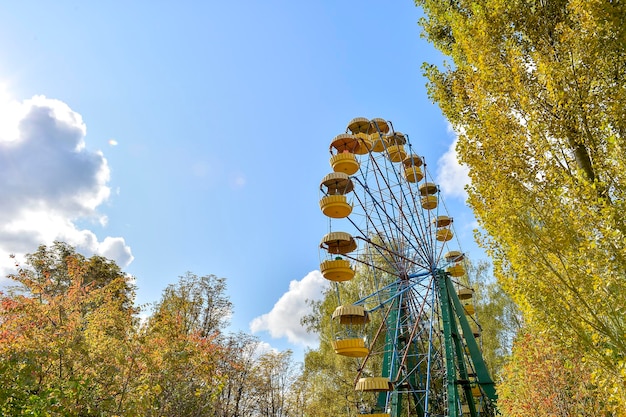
(536, 90)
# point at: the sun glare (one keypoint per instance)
(11, 111)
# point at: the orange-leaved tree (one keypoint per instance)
(545, 379)
(66, 336)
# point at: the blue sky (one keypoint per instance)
(192, 136)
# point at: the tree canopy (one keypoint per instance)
(72, 344)
(535, 90)
(66, 336)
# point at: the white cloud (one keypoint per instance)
(452, 177)
(284, 318)
(263, 348)
(49, 181)
(115, 248)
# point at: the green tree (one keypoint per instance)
(329, 382)
(182, 348)
(328, 377)
(500, 318)
(199, 302)
(536, 91)
(273, 376)
(241, 355)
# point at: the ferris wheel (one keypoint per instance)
(405, 308)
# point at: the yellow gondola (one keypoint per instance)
(345, 162)
(337, 270)
(359, 124)
(376, 384)
(338, 243)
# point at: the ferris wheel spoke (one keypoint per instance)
(417, 228)
(383, 232)
(385, 207)
(374, 229)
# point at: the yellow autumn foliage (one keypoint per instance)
(535, 90)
